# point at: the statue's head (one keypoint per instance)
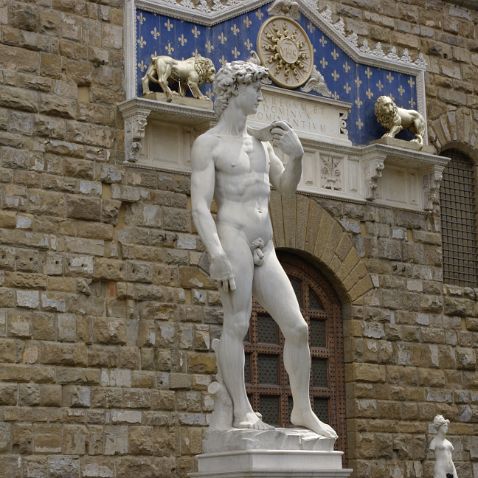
(386, 111)
(440, 422)
(233, 76)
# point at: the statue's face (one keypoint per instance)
(211, 74)
(388, 107)
(248, 98)
(444, 428)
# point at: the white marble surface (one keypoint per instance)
(288, 439)
(271, 463)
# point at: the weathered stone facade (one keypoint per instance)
(106, 321)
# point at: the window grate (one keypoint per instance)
(458, 221)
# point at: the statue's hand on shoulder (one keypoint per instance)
(220, 269)
(285, 138)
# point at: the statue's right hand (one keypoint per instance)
(220, 269)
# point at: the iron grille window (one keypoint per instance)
(267, 382)
(458, 221)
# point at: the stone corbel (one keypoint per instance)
(373, 171)
(431, 186)
(135, 122)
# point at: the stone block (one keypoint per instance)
(50, 395)
(201, 362)
(465, 358)
(157, 441)
(8, 394)
(109, 330)
(29, 394)
(125, 416)
(116, 440)
(63, 466)
(80, 207)
(47, 438)
(28, 298)
(365, 372)
(76, 396)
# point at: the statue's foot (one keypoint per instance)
(309, 420)
(252, 421)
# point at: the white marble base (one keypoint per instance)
(235, 439)
(278, 453)
(271, 463)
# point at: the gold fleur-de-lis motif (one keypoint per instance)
(335, 96)
(401, 90)
(196, 52)
(142, 66)
(235, 53)
(358, 102)
(169, 48)
(358, 82)
(209, 46)
(235, 30)
(247, 22)
(379, 85)
(335, 75)
(222, 38)
(324, 62)
(155, 33)
(347, 88)
(141, 42)
(222, 60)
(369, 94)
(359, 124)
(335, 54)
(182, 39)
(368, 73)
(195, 31)
(169, 26)
(411, 82)
(311, 27)
(412, 103)
(248, 44)
(390, 77)
(346, 67)
(323, 41)
(141, 18)
(259, 14)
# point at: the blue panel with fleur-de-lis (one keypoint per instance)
(234, 39)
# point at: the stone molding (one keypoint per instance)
(299, 223)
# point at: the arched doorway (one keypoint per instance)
(267, 383)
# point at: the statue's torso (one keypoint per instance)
(242, 186)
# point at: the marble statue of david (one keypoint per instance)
(237, 169)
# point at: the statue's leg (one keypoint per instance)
(273, 290)
(237, 306)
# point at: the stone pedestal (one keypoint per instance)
(278, 453)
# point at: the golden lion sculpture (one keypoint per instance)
(186, 73)
(393, 118)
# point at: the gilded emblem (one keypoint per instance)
(284, 47)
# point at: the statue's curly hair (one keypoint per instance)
(439, 420)
(230, 76)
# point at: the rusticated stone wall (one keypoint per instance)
(105, 319)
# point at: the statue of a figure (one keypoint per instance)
(444, 466)
(237, 169)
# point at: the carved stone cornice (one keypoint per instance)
(373, 170)
(137, 111)
(431, 187)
